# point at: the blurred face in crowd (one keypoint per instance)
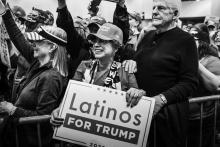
(193, 32)
(43, 48)
(162, 14)
(217, 38)
(103, 49)
(133, 22)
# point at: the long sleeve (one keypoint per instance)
(23, 46)
(121, 20)
(75, 42)
(188, 74)
(167, 63)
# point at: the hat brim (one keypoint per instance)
(100, 36)
(93, 23)
(211, 25)
(33, 36)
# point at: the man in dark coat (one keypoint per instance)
(167, 65)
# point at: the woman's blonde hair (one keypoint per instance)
(59, 56)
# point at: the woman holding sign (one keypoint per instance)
(104, 70)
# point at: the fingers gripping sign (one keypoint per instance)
(133, 96)
(55, 120)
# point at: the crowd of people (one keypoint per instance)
(162, 61)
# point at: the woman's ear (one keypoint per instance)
(53, 48)
(116, 50)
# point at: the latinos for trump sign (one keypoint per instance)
(97, 116)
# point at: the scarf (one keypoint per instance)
(112, 79)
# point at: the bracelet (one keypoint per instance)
(163, 98)
(3, 13)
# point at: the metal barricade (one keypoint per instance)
(32, 120)
(201, 100)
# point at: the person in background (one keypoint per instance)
(37, 18)
(42, 88)
(134, 31)
(216, 40)
(209, 82)
(93, 7)
(211, 26)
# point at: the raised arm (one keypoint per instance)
(75, 42)
(18, 39)
(121, 19)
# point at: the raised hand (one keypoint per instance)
(61, 3)
(133, 96)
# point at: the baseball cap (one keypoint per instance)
(42, 34)
(211, 24)
(109, 31)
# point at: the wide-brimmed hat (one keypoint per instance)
(42, 34)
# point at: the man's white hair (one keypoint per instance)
(173, 4)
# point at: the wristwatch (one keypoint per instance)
(163, 98)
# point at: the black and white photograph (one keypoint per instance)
(109, 73)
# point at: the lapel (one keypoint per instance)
(33, 72)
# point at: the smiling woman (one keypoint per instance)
(104, 70)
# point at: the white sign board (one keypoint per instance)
(97, 116)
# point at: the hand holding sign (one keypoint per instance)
(55, 120)
(99, 117)
(2, 7)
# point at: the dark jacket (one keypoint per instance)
(40, 92)
(167, 63)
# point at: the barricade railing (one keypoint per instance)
(32, 120)
(201, 100)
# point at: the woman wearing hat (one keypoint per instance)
(106, 41)
(41, 90)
